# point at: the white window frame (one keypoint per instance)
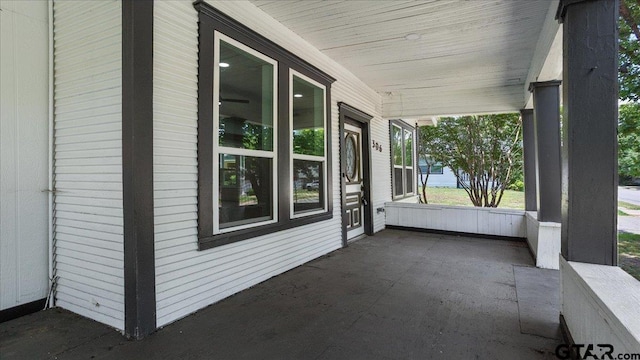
(217, 149)
(404, 161)
(295, 156)
(403, 129)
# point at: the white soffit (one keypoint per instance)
(470, 56)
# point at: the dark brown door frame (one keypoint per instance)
(349, 114)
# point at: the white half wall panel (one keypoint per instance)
(23, 152)
(600, 306)
(88, 217)
(465, 219)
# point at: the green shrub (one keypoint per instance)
(517, 185)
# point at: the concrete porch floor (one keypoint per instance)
(394, 295)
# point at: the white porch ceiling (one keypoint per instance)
(473, 56)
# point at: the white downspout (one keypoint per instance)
(50, 184)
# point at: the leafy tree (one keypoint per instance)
(629, 142)
(425, 136)
(629, 50)
(629, 79)
(309, 141)
(487, 147)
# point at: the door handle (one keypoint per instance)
(365, 202)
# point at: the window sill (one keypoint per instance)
(209, 242)
(411, 199)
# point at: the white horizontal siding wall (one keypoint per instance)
(23, 152)
(380, 170)
(188, 279)
(88, 159)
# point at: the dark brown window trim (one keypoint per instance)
(236, 30)
(404, 126)
(210, 21)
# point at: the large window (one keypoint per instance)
(402, 160)
(308, 121)
(244, 136)
(264, 164)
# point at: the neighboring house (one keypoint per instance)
(439, 176)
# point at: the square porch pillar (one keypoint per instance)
(546, 120)
(589, 153)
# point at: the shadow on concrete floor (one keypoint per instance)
(397, 294)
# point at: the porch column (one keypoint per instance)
(589, 153)
(137, 169)
(529, 155)
(546, 116)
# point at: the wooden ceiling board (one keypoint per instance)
(476, 53)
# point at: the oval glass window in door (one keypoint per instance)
(351, 157)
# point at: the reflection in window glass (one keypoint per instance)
(246, 190)
(308, 118)
(308, 163)
(246, 100)
(308, 185)
(397, 145)
(408, 148)
(409, 180)
(397, 179)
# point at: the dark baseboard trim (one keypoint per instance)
(457, 233)
(568, 339)
(22, 310)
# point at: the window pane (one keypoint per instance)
(308, 186)
(308, 118)
(246, 190)
(436, 168)
(246, 100)
(408, 148)
(397, 180)
(396, 139)
(409, 180)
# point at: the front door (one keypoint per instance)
(353, 177)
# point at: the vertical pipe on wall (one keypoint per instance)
(50, 159)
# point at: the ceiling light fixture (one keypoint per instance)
(224, 64)
(297, 95)
(412, 36)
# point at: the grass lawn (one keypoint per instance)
(451, 196)
(628, 206)
(624, 206)
(629, 251)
